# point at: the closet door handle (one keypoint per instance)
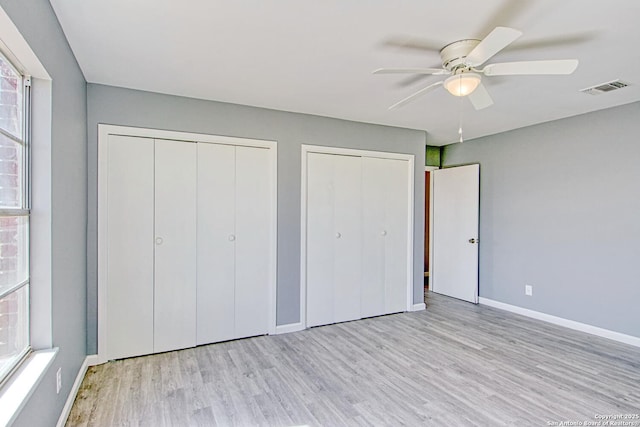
(232, 237)
(159, 241)
(338, 235)
(384, 233)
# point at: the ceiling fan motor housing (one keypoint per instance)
(454, 54)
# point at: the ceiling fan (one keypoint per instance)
(462, 60)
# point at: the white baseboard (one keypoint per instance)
(571, 324)
(418, 307)
(90, 360)
(291, 327)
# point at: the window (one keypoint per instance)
(14, 217)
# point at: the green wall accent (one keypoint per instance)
(433, 156)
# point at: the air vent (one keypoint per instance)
(605, 87)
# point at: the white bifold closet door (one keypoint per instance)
(150, 246)
(356, 237)
(385, 199)
(129, 246)
(233, 211)
(334, 238)
(175, 245)
(253, 247)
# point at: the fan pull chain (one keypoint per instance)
(460, 124)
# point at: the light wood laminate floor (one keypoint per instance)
(453, 364)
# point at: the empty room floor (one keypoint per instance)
(454, 364)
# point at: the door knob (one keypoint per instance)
(232, 237)
(159, 240)
(338, 235)
(384, 232)
(472, 240)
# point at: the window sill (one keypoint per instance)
(16, 392)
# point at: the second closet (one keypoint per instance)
(357, 220)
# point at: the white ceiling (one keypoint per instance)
(316, 56)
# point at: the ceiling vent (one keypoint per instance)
(605, 87)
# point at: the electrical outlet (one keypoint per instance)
(58, 380)
(528, 290)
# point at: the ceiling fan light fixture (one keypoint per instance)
(462, 84)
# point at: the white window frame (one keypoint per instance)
(24, 381)
(23, 210)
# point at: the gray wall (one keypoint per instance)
(38, 24)
(560, 209)
(126, 107)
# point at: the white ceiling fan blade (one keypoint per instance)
(415, 95)
(432, 71)
(559, 66)
(480, 98)
(497, 40)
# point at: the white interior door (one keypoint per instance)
(252, 239)
(129, 217)
(175, 245)
(456, 202)
(216, 243)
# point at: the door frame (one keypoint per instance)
(430, 207)
(306, 149)
(104, 131)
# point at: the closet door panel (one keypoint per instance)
(175, 245)
(252, 241)
(215, 243)
(396, 239)
(374, 234)
(321, 239)
(348, 237)
(129, 294)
